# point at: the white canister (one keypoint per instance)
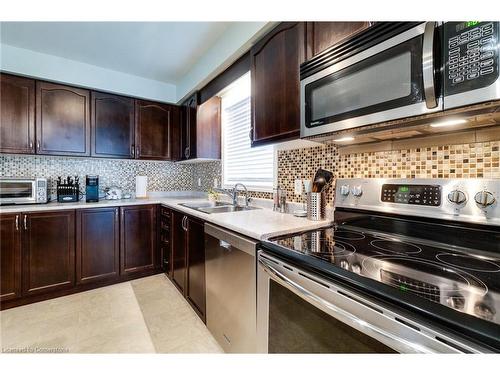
(141, 186)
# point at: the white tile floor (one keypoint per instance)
(147, 315)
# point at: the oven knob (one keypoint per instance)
(344, 190)
(456, 301)
(457, 197)
(484, 311)
(484, 199)
(344, 264)
(356, 268)
(357, 191)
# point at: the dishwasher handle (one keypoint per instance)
(229, 239)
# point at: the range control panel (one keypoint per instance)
(471, 55)
(422, 195)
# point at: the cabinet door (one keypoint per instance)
(62, 120)
(323, 35)
(10, 256)
(195, 288)
(17, 114)
(153, 126)
(112, 123)
(208, 129)
(188, 127)
(138, 239)
(275, 65)
(97, 244)
(48, 251)
(178, 250)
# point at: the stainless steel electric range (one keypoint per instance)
(407, 266)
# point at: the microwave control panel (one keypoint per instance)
(470, 55)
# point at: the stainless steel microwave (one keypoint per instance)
(399, 69)
(20, 190)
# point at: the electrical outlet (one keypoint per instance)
(199, 181)
(298, 187)
(216, 182)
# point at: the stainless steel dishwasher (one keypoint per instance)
(231, 289)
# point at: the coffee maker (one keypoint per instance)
(92, 188)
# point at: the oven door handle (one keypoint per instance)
(428, 65)
(337, 312)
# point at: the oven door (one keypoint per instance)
(298, 312)
(17, 191)
(396, 78)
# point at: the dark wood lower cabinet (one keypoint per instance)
(10, 256)
(178, 250)
(195, 286)
(138, 239)
(48, 251)
(97, 244)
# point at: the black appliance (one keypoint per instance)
(399, 69)
(407, 266)
(68, 190)
(92, 188)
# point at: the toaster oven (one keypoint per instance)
(22, 190)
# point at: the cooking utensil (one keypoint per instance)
(322, 179)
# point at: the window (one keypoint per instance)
(254, 167)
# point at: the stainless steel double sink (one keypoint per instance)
(216, 207)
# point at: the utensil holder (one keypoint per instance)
(316, 206)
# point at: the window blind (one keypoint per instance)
(254, 167)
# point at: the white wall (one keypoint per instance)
(43, 66)
(235, 41)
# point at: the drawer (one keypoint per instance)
(165, 225)
(164, 212)
(164, 238)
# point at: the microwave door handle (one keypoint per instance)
(428, 65)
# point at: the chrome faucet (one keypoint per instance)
(233, 193)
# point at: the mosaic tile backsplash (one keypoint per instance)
(475, 160)
(162, 175)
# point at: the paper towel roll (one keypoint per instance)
(141, 186)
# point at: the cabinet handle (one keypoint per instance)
(187, 152)
(137, 151)
(38, 145)
(31, 145)
(17, 222)
(25, 222)
(132, 150)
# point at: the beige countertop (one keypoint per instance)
(258, 224)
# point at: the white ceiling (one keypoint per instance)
(162, 51)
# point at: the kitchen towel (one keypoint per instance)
(141, 186)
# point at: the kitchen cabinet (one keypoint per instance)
(48, 251)
(17, 114)
(164, 240)
(275, 64)
(154, 123)
(188, 127)
(137, 239)
(188, 256)
(10, 256)
(178, 250)
(323, 35)
(62, 120)
(208, 129)
(97, 244)
(195, 280)
(112, 124)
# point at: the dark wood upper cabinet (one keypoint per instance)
(62, 120)
(178, 236)
(112, 124)
(275, 65)
(153, 126)
(138, 250)
(195, 286)
(188, 127)
(48, 251)
(10, 256)
(323, 35)
(208, 129)
(97, 244)
(17, 114)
